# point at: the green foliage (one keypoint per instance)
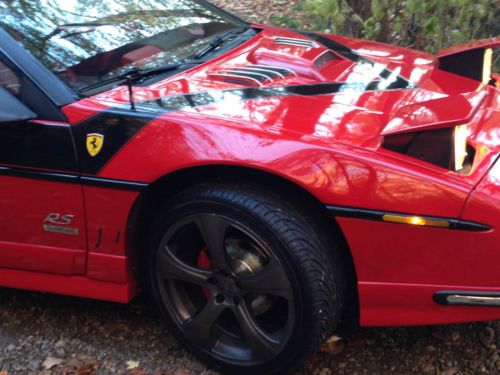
(422, 24)
(286, 21)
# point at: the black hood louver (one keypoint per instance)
(252, 74)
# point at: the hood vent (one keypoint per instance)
(296, 42)
(252, 74)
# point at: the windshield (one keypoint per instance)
(87, 41)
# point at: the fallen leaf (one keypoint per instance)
(333, 345)
(450, 371)
(80, 366)
(132, 365)
(51, 362)
(86, 370)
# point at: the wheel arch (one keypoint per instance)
(151, 200)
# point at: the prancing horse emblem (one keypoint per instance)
(94, 143)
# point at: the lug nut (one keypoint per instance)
(219, 298)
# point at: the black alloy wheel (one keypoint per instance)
(241, 280)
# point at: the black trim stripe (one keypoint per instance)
(70, 178)
(112, 183)
(376, 215)
(334, 46)
(39, 175)
(185, 101)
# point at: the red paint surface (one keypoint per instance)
(112, 268)
(393, 304)
(77, 286)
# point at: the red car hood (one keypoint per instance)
(330, 88)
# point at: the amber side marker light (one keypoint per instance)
(416, 220)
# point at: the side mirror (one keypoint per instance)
(11, 109)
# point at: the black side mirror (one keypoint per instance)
(11, 109)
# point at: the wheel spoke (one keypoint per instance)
(262, 345)
(213, 229)
(269, 280)
(199, 327)
(171, 267)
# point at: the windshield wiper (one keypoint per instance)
(136, 74)
(218, 41)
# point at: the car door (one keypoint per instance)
(42, 221)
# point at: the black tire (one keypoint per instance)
(256, 326)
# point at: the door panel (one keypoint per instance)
(42, 218)
(29, 237)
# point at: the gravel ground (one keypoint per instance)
(48, 334)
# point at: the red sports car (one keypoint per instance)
(260, 184)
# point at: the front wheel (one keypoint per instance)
(242, 279)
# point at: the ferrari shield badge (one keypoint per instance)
(94, 143)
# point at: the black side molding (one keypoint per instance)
(406, 218)
(71, 178)
(113, 184)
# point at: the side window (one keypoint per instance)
(25, 90)
(9, 80)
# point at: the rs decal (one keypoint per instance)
(58, 223)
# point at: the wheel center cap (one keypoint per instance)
(229, 287)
